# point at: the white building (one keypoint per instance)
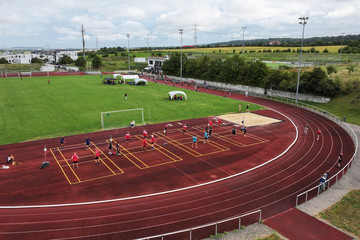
(25, 58)
(156, 63)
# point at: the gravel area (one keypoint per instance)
(350, 181)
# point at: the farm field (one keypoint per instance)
(33, 109)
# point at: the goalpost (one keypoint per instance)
(122, 118)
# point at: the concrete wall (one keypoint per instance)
(254, 90)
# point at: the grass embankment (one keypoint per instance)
(345, 214)
(33, 109)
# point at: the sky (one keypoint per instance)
(57, 24)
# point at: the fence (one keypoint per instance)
(315, 191)
(215, 224)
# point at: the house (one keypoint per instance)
(274, 43)
(26, 57)
(155, 63)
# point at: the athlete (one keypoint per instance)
(318, 134)
(152, 142)
(165, 128)
(75, 159)
(244, 129)
(145, 134)
(233, 132)
(97, 155)
(206, 136)
(127, 138)
(194, 142)
(62, 141)
(184, 129)
(144, 144)
(87, 143)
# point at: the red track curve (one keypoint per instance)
(272, 188)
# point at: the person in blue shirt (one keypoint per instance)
(194, 142)
(87, 142)
(206, 136)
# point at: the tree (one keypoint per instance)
(81, 63)
(96, 62)
(331, 69)
(36, 60)
(351, 68)
(3, 61)
(65, 59)
(172, 66)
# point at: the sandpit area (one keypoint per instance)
(250, 119)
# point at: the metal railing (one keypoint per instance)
(316, 190)
(215, 224)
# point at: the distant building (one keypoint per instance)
(26, 57)
(275, 43)
(138, 59)
(155, 63)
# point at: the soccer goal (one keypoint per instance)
(122, 118)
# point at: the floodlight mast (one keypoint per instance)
(242, 49)
(83, 39)
(128, 37)
(342, 42)
(181, 31)
(303, 22)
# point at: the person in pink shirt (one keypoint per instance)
(144, 144)
(75, 159)
(145, 134)
(152, 142)
(184, 129)
(127, 137)
(97, 155)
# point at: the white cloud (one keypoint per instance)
(217, 20)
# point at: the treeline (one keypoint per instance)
(238, 70)
(295, 42)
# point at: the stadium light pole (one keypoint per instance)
(342, 42)
(242, 49)
(181, 31)
(128, 36)
(303, 22)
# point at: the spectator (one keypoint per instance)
(10, 159)
(322, 183)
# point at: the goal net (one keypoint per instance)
(122, 118)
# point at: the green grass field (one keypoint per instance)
(345, 214)
(33, 109)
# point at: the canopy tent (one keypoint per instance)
(116, 75)
(127, 77)
(173, 93)
(140, 81)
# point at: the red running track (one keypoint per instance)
(272, 187)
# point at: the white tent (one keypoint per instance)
(140, 80)
(116, 75)
(173, 93)
(127, 77)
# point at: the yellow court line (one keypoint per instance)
(60, 167)
(215, 144)
(125, 149)
(178, 144)
(257, 137)
(97, 178)
(69, 165)
(225, 139)
(101, 159)
(231, 141)
(111, 160)
(158, 149)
